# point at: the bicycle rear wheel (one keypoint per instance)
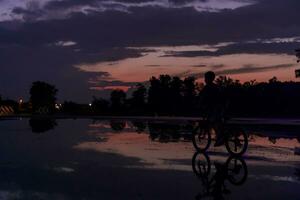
(237, 142)
(201, 164)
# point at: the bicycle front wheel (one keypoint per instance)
(237, 170)
(201, 139)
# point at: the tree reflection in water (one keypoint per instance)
(41, 125)
(166, 132)
(297, 173)
(139, 126)
(117, 126)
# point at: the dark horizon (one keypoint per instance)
(130, 90)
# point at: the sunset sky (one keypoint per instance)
(89, 47)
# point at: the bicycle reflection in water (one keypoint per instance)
(234, 170)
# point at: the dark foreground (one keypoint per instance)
(86, 159)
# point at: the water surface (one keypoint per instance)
(87, 159)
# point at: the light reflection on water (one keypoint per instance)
(52, 159)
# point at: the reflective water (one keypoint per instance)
(86, 159)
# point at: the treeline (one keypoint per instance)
(172, 96)
(166, 95)
(266, 99)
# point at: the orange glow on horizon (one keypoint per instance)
(244, 67)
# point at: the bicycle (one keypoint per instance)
(236, 140)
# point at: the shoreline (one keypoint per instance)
(237, 120)
(269, 127)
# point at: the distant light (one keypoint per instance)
(90, 105)
(57, 106)
(21, 101)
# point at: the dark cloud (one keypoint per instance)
(247, 69)
(152, 65)
(20, 66)
(126, 5)
(65, 4)
(200, 65)
(26, 53)
(163, 26)
(218, 66)
(242, 47)
(104, 83)
(214, 67)
(251, 69)
(106, 86)
(31, 12)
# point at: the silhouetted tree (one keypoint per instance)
(43, 95)
(154, 95)
(176, 87)
(70, 107)
(118, 100)
(226, 82)
(273, 80)
(138, 100)
(100, 106)
(249, 84)
(189, 95)
(161, 94)
(164, 93)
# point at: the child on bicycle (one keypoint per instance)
(211, 100)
